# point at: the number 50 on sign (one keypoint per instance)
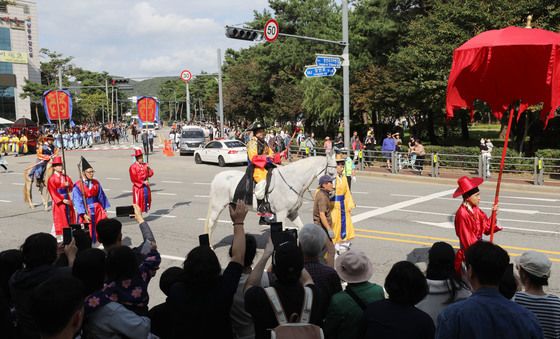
(271, 30)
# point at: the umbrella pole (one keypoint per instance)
(60, 133)
(497, 195)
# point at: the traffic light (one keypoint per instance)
(121, 81)
(242, 33)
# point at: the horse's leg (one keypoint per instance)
(27, 189)
(215, 208)
(45, 197)
(294, 217)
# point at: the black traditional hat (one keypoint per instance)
(85, 164)
(256, 125)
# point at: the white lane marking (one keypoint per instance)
(172, 257)
(202, 196)
(15, 173)
(126, 191)
(107, 189)
(448, 224)
(482, 202)
(499, 219)
(370, 207)
(530, 221)
(5, 201)
(219, 220)
(530, 212)
(397, 206)
(162, 193)
(356, 192)
(445, 224)
(201, 183)
(158, 215)
(171, 182)
(527, 198)
(18, 183)
(109, 178)
(163, 215)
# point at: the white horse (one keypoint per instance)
(288, 185)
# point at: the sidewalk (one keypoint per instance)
(509, 181)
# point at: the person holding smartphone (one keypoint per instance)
(60, 186)
(89, 192)
(140, 173)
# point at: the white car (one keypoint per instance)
(222, 152)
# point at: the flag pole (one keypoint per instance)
(60, 131)
(511, 110)
(148, 149)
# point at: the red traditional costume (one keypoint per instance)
(60, 186)
(139, 174)
(96, 200)
(470, 221)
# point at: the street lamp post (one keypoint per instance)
(221, 103)
(346, 76)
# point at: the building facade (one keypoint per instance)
(19, 56)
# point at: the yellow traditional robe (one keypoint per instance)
(258, 160)
(343, 204)
(23, 143)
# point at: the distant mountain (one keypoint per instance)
(149, 87)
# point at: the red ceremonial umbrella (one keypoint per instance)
(504, 67)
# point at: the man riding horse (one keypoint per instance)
(45, 150)
(261, 158)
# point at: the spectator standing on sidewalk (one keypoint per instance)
(486, 148)
(420, 152)
(370, 143)
(328, 145)
(387, 148)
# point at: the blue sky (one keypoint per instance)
(142, 38)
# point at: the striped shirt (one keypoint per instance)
(547, 310)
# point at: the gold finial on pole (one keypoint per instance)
(529, 19)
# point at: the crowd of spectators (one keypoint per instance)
(51, 290)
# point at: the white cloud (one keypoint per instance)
(142, 38)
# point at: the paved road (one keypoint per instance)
(395, 219)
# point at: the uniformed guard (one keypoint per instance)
(140, 173)
(261, 158)
(89, 192)
(60, 186)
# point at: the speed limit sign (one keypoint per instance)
(186, 76)
(271, 30)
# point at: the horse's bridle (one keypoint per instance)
(306, 189)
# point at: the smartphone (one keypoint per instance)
(276, 233)
(204, 240)
(66, 235)
(125, 211)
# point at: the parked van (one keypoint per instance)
(192, 138)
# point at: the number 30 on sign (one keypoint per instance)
(271, 30)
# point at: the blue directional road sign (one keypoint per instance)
(328, 61)
(319, 71)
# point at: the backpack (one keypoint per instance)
(300, 329)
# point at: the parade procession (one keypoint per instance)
(279, 169)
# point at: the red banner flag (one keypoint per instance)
(58, 105)
(147, 109)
